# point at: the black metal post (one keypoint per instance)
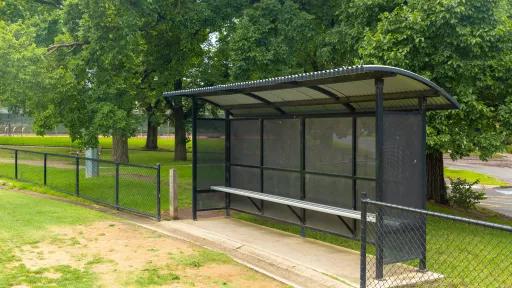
(117, 186)
(379, 122)
(262, 160)
(364, 231)
(15, 164)
(354, 171)
(422, 102)
(77, 176)
(194, 158)
(158, 212)
(45, 159)
(227, 156)
(303, 173)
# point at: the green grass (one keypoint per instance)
(472, 176)
(25, 220)
(165, 143)
(137, 185)
(481, 253)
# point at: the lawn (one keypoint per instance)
(447, 240)
(165, 143)
(47, 243)
(137, 185)
(472, 176)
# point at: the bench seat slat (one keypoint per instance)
(349, 213)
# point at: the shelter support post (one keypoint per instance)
(379, 122)
(302, 174)
(227, 155)
(194, 158)
(422, 102)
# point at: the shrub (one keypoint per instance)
(463, 195)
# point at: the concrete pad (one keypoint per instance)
(319, 264)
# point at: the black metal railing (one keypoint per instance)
(407, 247)
(123, 186)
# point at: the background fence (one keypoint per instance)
(405, 247)
(130, 187)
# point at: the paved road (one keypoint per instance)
(498, 199)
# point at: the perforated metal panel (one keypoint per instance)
(365, 155)
(210, 153)
(248, 179)
(210, 161)
(402, 159)
(245, 142)
(329, 145)
(281, 143)
(282, 183)
(328, 190)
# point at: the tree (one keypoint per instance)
(464, 46)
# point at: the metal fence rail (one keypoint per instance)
(130, 187)
(407, 247)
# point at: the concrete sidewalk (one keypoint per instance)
(289, 258)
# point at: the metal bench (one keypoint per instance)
(337, 211)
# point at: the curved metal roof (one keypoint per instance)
(347, 89)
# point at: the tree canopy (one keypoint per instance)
(99, 66)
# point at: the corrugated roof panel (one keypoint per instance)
(254, 111)
(283, 95)
(232, 99)
(363, 87)
(315, 109)
(433, 101)
(401, 88)
(401, 83)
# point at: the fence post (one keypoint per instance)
(77, 176)
(158, 192)
(15, 164)
(364, 231)
(117, 186)
(44, 168)
(173, 194)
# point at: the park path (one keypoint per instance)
(499, 199)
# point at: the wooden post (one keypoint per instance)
(173, 194)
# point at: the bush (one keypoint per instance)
(463, 195)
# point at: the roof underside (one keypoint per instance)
(342, 90)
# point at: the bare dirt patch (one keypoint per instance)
(119, 252)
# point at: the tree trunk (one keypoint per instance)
(436, 186)
(180, 134)
(152, 135)
(120, 148)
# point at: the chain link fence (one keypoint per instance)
(405, 247)
(130, 187)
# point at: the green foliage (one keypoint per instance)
(463, 195)
(465, 48)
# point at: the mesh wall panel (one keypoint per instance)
(282, 183)
(365, 155)
(245, 142)
(210, 200)
(281, 143)
(330, 223)
(402, 181)
(285, 184)
(333, 191)
(329, 145)
(281, 212)
(210, 153)
(402, 160)
(245, 178)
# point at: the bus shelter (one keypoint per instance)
(303, 148)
